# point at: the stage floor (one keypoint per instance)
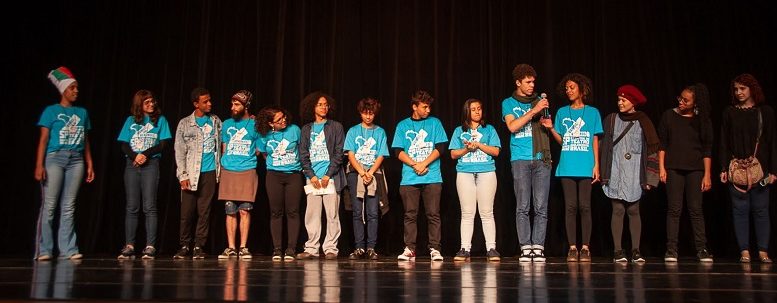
(385, 280)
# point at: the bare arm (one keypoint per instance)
(596, 160)
(88, 158)
(40, 169)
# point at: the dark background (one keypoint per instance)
(353, 49)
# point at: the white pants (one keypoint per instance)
(331, 204)
(476, 191)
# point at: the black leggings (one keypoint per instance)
(577, 196)
(619, 208)
(284, 192)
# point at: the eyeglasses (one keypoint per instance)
(281, 120)
(683, 100)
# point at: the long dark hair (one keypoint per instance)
(307, 107)
(266, 116)
(466, 117)
(701, 99)
(137, 106)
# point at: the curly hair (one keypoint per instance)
(266, 116)
(522, 71)
(421, 96)
(137, 106)
(466, 116)
(755, 89)
(701, 99)
(307, 107)
(583, 85)
(368, 104)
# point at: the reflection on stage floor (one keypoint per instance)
(385, 280)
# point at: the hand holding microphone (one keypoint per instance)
(542, 106)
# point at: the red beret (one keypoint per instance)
(632, 93)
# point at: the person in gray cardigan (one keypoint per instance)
(321, 155)
(197, 168)
(629, 166)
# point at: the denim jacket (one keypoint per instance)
(188, 149)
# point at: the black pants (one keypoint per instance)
(197, 202)
(284, 192)
(619, 209)
(411, 195)
(577, 197)
(679, 182)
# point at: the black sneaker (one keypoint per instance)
(277, 255)
(371, 254)
(182, 253)
(228, 253)
(620, 256)
(127, 253)
(493, 255)
(244, 254)
(526, 255)
(636, 257)
(704, 256)
(462, 255)
(357, 254)
(149, 253)
(670, 256)
(289, 255)
(198, 253)
(538, 256)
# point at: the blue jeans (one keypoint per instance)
(360, 217)
(141, 183)
(531, 179)
(756, 200)
(64, 173)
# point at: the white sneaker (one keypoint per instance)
(407, 255)
(435, 254)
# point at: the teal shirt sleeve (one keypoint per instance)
(124, 134)
(455, 142)
(164, 128)
(383, 143)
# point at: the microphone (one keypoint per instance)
(545, 111)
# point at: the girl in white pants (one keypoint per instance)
(475, 144)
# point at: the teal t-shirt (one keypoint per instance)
(239, 139)
(208, 143)
(477, 161)
(577, 128)
(144, 135)
(319, 155)
(281, 149)
(67, 127)
(367, 144)
(418, 138)
(521, 141)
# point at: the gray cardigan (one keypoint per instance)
(335, 138)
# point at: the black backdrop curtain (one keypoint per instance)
(353, 49)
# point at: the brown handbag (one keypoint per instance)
(747, 172)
